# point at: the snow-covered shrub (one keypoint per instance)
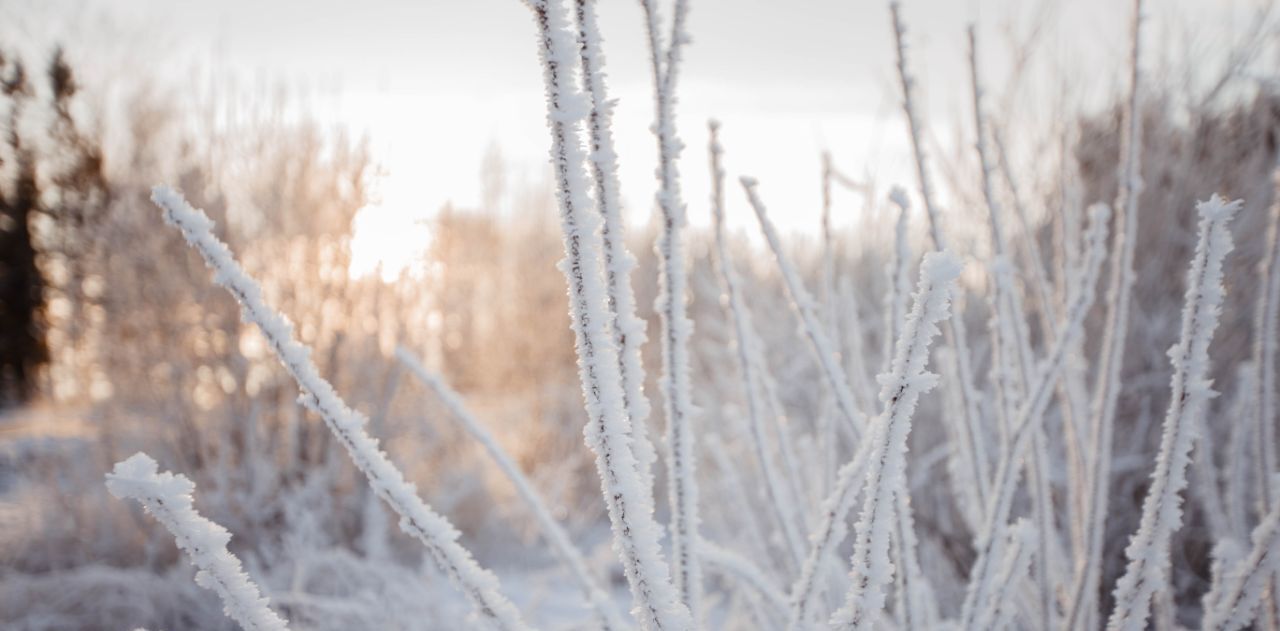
(994, 494)
(167, 498)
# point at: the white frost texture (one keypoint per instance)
(609, 431)
(1148, 551)
(416, 518)
(167, 498)
(900, 389)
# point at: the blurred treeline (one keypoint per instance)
(113, 340)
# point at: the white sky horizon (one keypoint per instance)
(435, 84)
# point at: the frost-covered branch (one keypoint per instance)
(608, 432)
(832, 296)
(1014, 362)
(1266, 347)
(970, 418)
(898, 291)
(734, 565)
(167, 498)
(1191, 389)
(1017, 551)
(1084, 593)
(1236, 479)
(732, 489)
(807, 309)
(982, 575)
(672, 310)
(348, 426)
(1205, 488)
(830, 529)
(900, 389)
(828, 252)
(911, 589)
(554, 533)
(1233, 601)
(908, 85)
(628, 329)
(1034, 259)
(1010, 327)
(826, 536)
(745, 337)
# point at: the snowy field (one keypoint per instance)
(1025, 379)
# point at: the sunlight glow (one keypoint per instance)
(415, 178)
(431, 150)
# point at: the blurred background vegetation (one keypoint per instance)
(112, 340)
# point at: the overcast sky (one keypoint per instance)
(436, 83)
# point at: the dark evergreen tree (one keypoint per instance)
(22, 344)
(58, 176)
